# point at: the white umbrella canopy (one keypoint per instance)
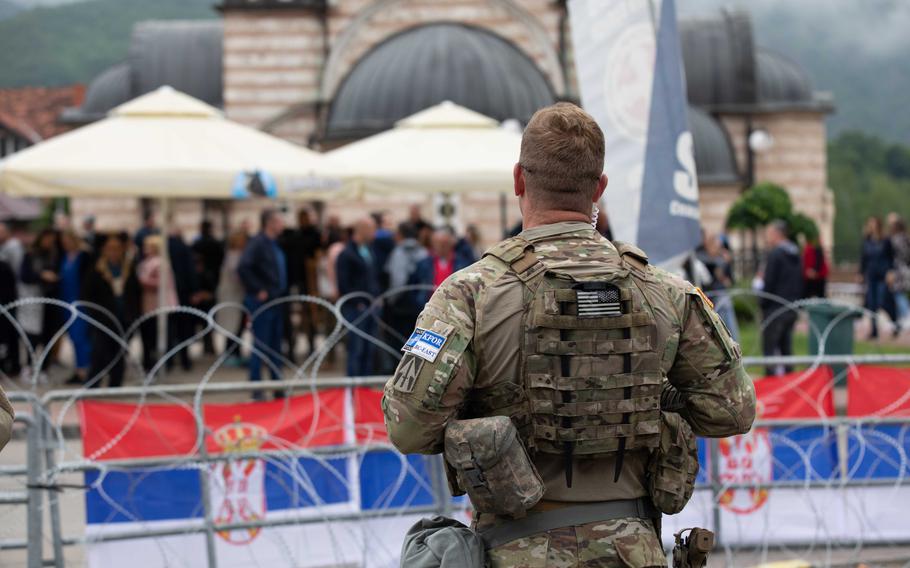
(443, 149)
(166, 144)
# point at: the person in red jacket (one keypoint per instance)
(815, 268)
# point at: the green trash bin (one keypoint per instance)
(839, 339)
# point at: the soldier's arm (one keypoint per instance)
(6, 419)
(427, 391)
(707, 383)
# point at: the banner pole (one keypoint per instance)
(50, 465)
(716, 488)
(165, 273)
(34, 517)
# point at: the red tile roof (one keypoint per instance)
(32, 112)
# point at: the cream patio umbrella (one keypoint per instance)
(164, 145)
(443, 149)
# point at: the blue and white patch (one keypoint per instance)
(425, 344)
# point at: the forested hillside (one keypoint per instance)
(869, 177)
(71, 43)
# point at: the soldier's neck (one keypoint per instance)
(540, 218)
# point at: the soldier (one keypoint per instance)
(603, 362)
(6, 419)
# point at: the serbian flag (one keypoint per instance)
(878, 446)
(304, 477)
(786, 453)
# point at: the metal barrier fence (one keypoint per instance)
(42, 469)
(47, 457)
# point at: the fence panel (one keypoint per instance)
(328, 479)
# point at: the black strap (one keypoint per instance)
(536, 523)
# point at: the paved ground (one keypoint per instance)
(12, 519)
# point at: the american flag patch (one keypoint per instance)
(598, 303)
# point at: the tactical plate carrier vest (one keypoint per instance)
(591, 376)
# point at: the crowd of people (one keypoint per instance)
(384, 274)
(789, 274)
(885, 270)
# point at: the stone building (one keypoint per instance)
(325, 72)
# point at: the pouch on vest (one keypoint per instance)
(673, 465)
(492, 466)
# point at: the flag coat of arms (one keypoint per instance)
(778, 483)
(299, 482)
(808, 457)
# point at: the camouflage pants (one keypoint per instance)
(623, 543)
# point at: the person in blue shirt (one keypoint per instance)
(74, 266)
(876, 262)
(263, 270)
(357, 272)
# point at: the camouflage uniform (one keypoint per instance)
(479, 312)
(6, 419)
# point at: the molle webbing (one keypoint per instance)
(593, 382)
(502, 399)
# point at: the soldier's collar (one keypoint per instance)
(554, 229)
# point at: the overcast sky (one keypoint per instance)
(877, 27)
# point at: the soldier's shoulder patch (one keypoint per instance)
(406, 375)
(425, 343)
(704, 297)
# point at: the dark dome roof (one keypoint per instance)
(781, 80)
(183, 54)
(186, 55)
(429, 64)
(109, 89)
(726, 71)
(718, 59)
(714, 158)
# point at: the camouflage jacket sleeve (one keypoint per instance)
(432, 379)
(707, 383)
(6, 419)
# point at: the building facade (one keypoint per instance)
(324, 72)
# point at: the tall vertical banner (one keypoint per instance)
(629, 63)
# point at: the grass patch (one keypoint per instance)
(750, 341)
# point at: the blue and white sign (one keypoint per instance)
(255, 183)
(425, 344)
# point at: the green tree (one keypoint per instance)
(802, 226)
(764, 203)
(759, 206)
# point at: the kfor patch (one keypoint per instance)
(406, 376)
(425, 344)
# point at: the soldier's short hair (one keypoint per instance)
(562, 155)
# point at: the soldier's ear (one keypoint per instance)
(601, 186)
(519, 177)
